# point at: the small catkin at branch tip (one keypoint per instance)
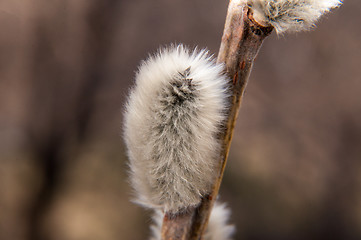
(291, 15)
(173, 116)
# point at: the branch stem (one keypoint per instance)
(241, 41)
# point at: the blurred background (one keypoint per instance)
(66, 66)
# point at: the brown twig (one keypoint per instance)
(242, 38)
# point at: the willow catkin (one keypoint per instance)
(291, 15)
(218, 227)
(173, 115)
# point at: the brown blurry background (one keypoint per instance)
(294, 170)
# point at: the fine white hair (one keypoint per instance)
(173, 117)
(291, 15)
(218, 227)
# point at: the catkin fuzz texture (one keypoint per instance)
(291, 15)
(218, 227)
(173, 116)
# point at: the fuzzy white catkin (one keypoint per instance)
(218, 227)
(291, 15)
(172, 119)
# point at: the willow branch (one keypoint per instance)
(241, 41)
